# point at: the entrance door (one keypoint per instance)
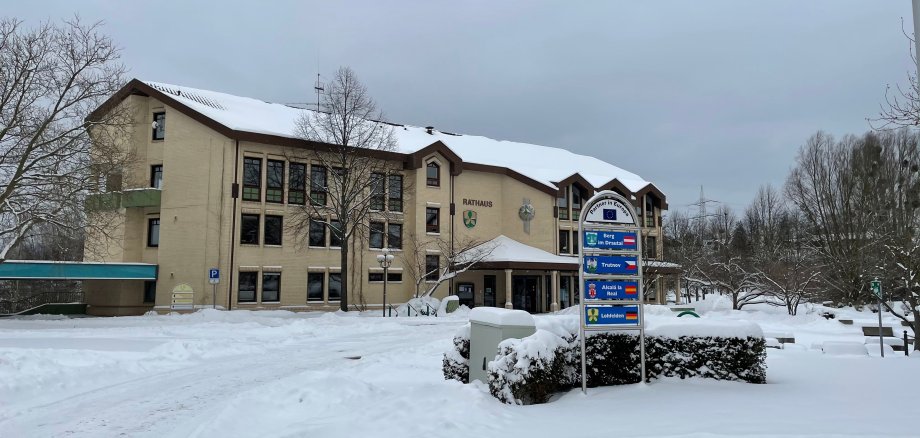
(524, 292)
(465, 293)
(488, 293)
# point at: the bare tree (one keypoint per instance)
(455, 259)
(52, 154)
(349, 157)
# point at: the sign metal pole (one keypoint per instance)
(877, 288)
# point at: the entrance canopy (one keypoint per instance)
(49, 270)
(504, 252)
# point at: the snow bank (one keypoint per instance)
(703, 328)
(841, 348)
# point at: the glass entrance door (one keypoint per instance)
(524, 289)
(488, 292)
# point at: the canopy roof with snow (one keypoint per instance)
(264, 121)
(504, 252)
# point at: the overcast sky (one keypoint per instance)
(719, 94)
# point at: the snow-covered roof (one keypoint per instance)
(543, 164)
(506, 249)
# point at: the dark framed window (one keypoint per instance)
(378, 195)
(394, 236)
(575, 243)
(273, 227)
(396, 193)
(271, 286)
(318, 185)
(394, 276)
(335, 239)
(562, 204)
(651, 247)
(153, 232)
(274, 181)
(247, 287)
(249, 229)
(317, 233)
(432, 264)
(433, 175)
(252, 179)
(150, 291)
(375, 276)
(579, 196)
(564, 247)
(315, 282)
(159, 126)
(376, 235)
(297, 180)
(432, 220)
(335, 286)
(156, 176)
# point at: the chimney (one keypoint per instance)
(429, 130)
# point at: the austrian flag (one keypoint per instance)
(630, 265)
(629, 240)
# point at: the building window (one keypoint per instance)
(271, 286)
(247, 287)
(159, 126)
(432, 220)
(315, 286)
(394, 276)
(578, 197)
(153, 232)
(649, 211)
(394, 236)
(376, 235)
(396, 193)
(274, 181)
(317, 233)
(433, 174)
(318, 187)
(651, 247)
(562, 204)
(297, 180)
(150, 291)
(156, 176)
(575, 243)
(432, 264)
(377, 277)
(252, 179)
(273, 226)
(335, 286)
(378, 196)
(564, 247)
(249, 229)
(335, 230)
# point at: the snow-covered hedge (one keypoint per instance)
(530, 370)
(456, 363)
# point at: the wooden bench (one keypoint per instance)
(846, 321)
(873, 331)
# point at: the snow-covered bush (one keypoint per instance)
(529, 370)
(456, 362)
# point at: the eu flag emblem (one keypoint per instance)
(610, 214)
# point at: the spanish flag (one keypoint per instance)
(632, 316)
(631, 290)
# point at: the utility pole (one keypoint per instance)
(701, 212)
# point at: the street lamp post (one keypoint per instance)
(385, 260)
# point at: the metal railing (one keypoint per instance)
(907, 343)
(9, 307)
(427, 311)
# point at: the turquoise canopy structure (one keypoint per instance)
(49, 270)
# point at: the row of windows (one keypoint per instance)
(386, 190)
(273, 226)
(248, 288)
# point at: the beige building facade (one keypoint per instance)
(217, 178)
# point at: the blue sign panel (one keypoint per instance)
(614, 265)
(611, 315)
(611, 290)
(610, 240)
(213, 274)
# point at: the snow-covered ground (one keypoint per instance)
(273, 374)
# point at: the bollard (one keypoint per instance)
(906, 351)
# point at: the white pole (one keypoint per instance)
(916, 7)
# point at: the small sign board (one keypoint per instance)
(213, 275)
(600, 315)
(599, 239)
(611, 290)
(183, 298)
(610, 211)
(613, 265)
(876, 288)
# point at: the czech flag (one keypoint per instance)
(632, 316)
(631, 290)
(630, 265)
(629, 240)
